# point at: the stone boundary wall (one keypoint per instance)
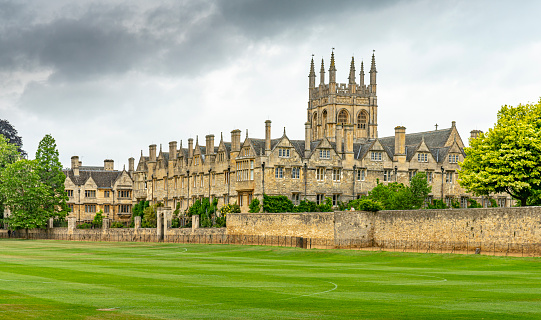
(482, 225)
(308, 225)
(449, 229)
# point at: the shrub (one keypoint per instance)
(325, 206)
(437, 204)
(474, 204)
(255, 206)
(275, 204)
(306, 206)
(117, 224)
(149, 217)
(230, 208)
(85, 225)
(98, 219)
(365, 204)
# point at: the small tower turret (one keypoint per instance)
(312, 75)
(352, 84)
(332, 70)
(322, 74)
(361, 76)
(373, 74)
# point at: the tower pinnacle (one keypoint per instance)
(352, 71)
(322, 73)
(312, 75)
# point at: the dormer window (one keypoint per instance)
(453, 158)
(196, 160)
(422, 157)
(376, 156)
(245, 152)
(221, 156)
(324, 153)
(283, 153)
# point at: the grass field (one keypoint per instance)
(97, 280)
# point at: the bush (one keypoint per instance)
(98, 219)
(230, 208)
(85, 225)
(306, 206)
(117, 224)
(275, 204)
(325, 206)
(474, 204)
(437, 204)
(255, 206)
(149, 217)
(365, 204)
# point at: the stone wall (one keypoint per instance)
(308, 225)
(449, 228)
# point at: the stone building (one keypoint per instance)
(93, 189)
(341, 156)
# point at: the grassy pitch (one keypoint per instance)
(93, 280)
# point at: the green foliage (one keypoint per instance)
(50, 172)
(493, 202)
(306, 206)
(325, 206)
(474, 204)
(455, 204)
(204, 209)
(437, 204)
(117, 224)
(230, 208)
(506, 158)
(12, 137)
(255, 206)
(85, 225)
(535, 198)
(25, 195)
(365, 204)
(149, 217)
(98, 219)
(397, 196)
(277, 204)
(138, 210)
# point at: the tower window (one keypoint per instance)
(343, 117)
(361, 120)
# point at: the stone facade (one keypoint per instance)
(341, 156)
(94, 189)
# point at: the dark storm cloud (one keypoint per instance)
(96, 40)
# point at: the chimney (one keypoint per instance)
(473, 134)
(235, 140)
(339, 138)
(190, 148)
(307, 137)
(210, 144)
(152, 153)
(75, 165)
(108, 165)
(348, 146)
(172, 150)
(400, 140)
(267, 136)
(131, 166)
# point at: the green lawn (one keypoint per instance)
(95, 280)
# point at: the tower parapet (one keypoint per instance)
(343, 103)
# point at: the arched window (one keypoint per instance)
(314, 127)
(324, 121)
(362, 119)
(343, 117)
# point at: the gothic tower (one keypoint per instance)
(334, 106)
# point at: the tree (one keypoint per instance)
(8, 155)
(397, 196)
(50, 172)
(419, 189)
(255, 206)
(10, 133)
(508, 157)
(25, 195)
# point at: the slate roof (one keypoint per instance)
(104, 179)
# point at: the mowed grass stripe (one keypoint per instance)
(174, 281)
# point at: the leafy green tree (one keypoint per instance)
(98, 219)
(25, 195)
(255, 206)
(8, 155)
(365, 204)
(50, 172)
(325, 206)
(10, 133)
(420, 189)
(507, 157)
(474, 204)
(306, 206)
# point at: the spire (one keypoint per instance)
(373, 66)
(246, 133)
(361, 75)
(221, 137)
(322, 73)
(197, 140)
(180, 144)
(332, 69)
(160, 148)
(352, 71)
(312, 75)
(373, 71)
(141, 153)
(284, 131)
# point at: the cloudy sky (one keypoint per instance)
(108, 78)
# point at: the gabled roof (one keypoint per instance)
(103, 179)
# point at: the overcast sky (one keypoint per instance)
(108, 78)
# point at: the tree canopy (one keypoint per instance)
(397, 196)
(507, 158)
(10, 133)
